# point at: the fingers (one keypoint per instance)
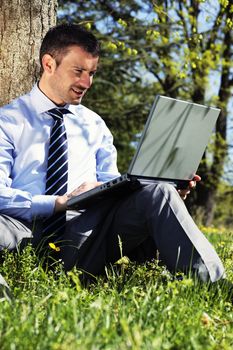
(193, 182)
(192, 185)
(196, 178)
(85, 186)
(183, 193)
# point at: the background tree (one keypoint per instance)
(210, 51)
(176, 48)
(22, 26)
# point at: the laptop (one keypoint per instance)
(170, 149)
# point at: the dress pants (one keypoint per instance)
(150, 222)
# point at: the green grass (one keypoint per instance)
(132, 307)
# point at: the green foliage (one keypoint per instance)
(224, 206)
(132, 307)
(170, 47)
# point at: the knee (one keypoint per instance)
(3, 233)
(167, 189)
(154, 196)
(160, 190)
(3, 226)
(12, 232)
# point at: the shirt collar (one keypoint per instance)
(41, 102)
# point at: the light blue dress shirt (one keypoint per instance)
(24, 138)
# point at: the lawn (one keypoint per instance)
(132, 307)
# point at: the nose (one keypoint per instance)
(85, 80)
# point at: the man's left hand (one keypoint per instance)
(192, 184)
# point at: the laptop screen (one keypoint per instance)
(174, 139)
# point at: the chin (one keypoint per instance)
(75, 102)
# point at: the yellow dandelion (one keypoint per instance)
(54, 247)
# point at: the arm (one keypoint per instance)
(106, 168)
(14, 201)
(61, 201)
(106, 158)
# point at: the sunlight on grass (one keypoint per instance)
(131, 307)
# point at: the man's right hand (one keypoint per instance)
(61, 201)
(85, 186)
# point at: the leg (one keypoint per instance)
(159, 212)
(12, 233)
(84, 241)
(155, 211)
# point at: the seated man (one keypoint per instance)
(52, 148)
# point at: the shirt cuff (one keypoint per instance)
(43, 206)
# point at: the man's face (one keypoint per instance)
(68, 81)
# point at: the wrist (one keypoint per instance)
(60, 203)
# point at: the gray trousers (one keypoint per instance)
(150, 222)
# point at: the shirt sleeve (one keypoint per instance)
(15, 202)
(106, 158)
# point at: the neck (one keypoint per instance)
(42, 87)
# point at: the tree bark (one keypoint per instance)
(23, 23)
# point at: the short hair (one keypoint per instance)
(59, 38)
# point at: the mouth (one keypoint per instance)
(78, 93)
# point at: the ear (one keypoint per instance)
(48, 63)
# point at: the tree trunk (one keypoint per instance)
(23, 23)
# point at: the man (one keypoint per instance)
(52, 148)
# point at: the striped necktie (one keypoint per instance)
(57, 170)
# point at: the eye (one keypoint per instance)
(78, 72)
(92, 73)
